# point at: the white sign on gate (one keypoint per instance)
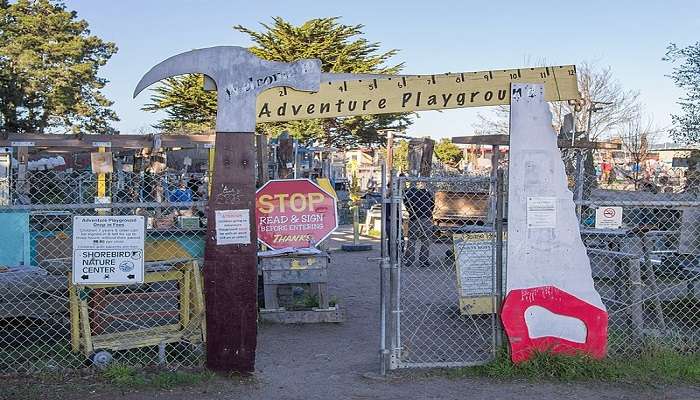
(608, 217)
(108, 249)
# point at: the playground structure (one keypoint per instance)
(421, 292)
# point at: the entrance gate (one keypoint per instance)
(443, 286)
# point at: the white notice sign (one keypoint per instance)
(232, 227)
(541, 212)
(474, 259)
(108, 249)
(608, 217)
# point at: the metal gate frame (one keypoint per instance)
(449, 342)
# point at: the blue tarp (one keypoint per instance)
(14, 239)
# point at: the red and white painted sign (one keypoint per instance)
(562, 311)
(294, 213)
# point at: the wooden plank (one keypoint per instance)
(230, 272)
(262, 161)
(71, 142)
(74, 311)
(146, 295)
(402, 94)
(85, 327)
(492, 140)
(485, 140)
(140, 315)
(198, 297)
(139, 338)
(185, 290)
(152, 277)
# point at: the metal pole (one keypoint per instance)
(500, 199)
(355, 224)
(579, 182)
(395, 273)
(210, 169)
(296, 159)
(383, 267)
(389, 157)
(497, 218)
(495, 153)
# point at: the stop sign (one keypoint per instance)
(294, 213)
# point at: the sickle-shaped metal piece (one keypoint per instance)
(191, 62)
(238, 76)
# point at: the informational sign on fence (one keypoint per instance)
(232, 227)
(541, 212)
(108, 249)
(475, 271)
(608, 217)
(294, 213)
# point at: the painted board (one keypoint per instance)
(545, 252)
(412, 93)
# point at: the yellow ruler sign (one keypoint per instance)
(413, 93)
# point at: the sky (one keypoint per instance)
(630, 37)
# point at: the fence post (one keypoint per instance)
(579, 182)
(499, 255)
(384, 266)
(636, 296)
(394, 277)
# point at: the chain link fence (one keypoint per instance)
(48, 324)
(641, 228)
(447, 294)
(642, 233)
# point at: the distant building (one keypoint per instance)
(477, 158)
(367, 163)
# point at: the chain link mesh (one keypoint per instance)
(446, 308)
(48, 324)
(647, 270)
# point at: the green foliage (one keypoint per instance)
(401, 156)
(170, 379)
(374, 233)
(652, 366)
(686, 75)
(120, 374)
(48, 70)
(123, 375)
(354, 190)
(400, 159)
(189, 108)
(341, 48)
(449, 153)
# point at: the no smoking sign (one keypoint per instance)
(608, 217)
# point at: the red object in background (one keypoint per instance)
(557, 301)
(294, 213)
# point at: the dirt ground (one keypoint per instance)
(332, 361)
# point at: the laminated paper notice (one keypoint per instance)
(541, 212)
(232, 227)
